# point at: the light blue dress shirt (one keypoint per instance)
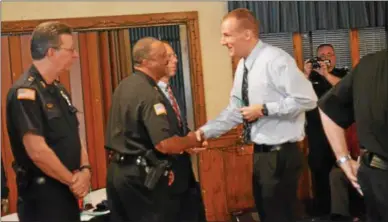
(275, 80)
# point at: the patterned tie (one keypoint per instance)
(244, 94)
(174, 104)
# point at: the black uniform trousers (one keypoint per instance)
(374, 185)
(47, 200)
(275, 181)
(129, 200)
(185, 194)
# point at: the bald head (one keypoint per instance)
(149, 56)
(244, 20)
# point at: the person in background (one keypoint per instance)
(270, 96)
(323, 75)
(185, 191)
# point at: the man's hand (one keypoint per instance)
(350, 169)
(308, 67)
(324, 70)
(81, 183)
(4, 206)
(252, 113)
(200, 137)
(171, 177)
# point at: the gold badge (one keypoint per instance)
(31, 78)
(43, 84)
(49, 105)
(25, 93)
(160, 109)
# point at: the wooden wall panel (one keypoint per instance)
(15, 56)
(304, 190)
(6, 153)
(25, 42)
(84, 62)
(106, 74)
(91, 79)
(238, 164)
(354, 46)
(212, 184)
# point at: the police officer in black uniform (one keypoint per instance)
(362, 97)
(323, 74)
(51, 166)
(185, 191)
(142, 141)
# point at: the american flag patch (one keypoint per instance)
(160, 109)
(24, 93)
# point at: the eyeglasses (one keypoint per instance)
(72, 50)
(172, 55)
(324, 56)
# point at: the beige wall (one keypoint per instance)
(216, 63)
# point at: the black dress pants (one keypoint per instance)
(47, 200)
(374, 185)
(275, 182)
(130, 201)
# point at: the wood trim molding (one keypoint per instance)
(103, 22)
(298, 49)
(354, 46)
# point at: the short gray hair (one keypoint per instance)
(142, 49)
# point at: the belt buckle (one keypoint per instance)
(276, 148)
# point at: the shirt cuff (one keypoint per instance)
(206, 131)
(273, 108)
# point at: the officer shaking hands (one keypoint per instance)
(51, 165)
(142, 140)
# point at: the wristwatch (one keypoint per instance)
(343, 160)
(86, 167)
(264, 110)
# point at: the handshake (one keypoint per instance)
(202, 144)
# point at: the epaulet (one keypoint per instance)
(27, 90)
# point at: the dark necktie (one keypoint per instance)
(174, 104)
(244, 94)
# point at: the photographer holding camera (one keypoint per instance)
(323, 74)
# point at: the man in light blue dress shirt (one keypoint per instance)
(270, 96)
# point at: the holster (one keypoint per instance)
(374, 160)
(156, 169)
(23, 177)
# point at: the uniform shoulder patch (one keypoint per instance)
(160, 109)
(26, 94)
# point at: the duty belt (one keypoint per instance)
(374, 160)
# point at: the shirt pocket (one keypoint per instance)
(57, 125)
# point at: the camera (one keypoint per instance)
(314, 61)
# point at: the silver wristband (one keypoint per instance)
(343, 159)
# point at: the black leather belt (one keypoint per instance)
(262, 148)
(375, 160)
(122, 158)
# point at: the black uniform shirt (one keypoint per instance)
(45, 110)
(319, 145)
(138, 117)
(362, 96)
